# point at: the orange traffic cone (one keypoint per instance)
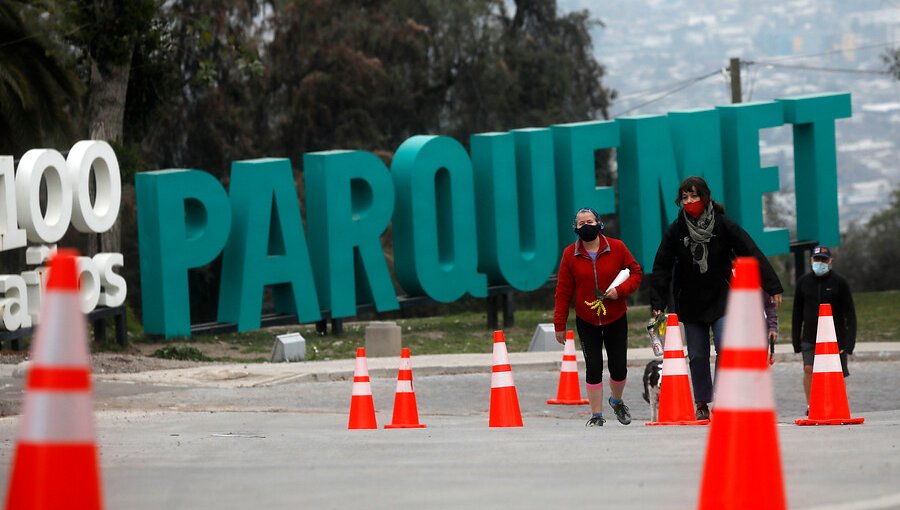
(406, 414)
(55, 463)
(362, 407)
(569, 392)
(743, 464)
(676, 405)
(828, 403)
(504, 400)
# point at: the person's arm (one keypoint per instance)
(663, 264)
(850, 317)
(629, 286)
(771, 312)
(797, 322)
(743, 245)
(565, 286)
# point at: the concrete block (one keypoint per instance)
(383, 339)
(289, 347)
(544, 339)
(21, 370)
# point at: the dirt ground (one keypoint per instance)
(116, 363)
(138, 357)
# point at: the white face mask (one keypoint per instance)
(820, 268)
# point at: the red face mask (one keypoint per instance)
(694, 209)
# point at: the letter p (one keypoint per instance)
(184, 218)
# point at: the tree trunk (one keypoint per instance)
(106, 113)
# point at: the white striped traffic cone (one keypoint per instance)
(743, 464)
(828, 404)
(569, 391)
(676, 405)
(55, 463)
(504, 400)
(406, 414)
(362, 407)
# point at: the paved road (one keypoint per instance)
(286, 446)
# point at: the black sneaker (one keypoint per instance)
(622, 413)
(595, 421)
(702, 412)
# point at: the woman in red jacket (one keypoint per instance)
(586, 273)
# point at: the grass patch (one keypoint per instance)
(181, 352)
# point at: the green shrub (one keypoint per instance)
(182, 352)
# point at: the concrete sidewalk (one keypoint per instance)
(243, 375)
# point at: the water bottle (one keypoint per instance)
(653, 330)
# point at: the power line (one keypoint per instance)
(818, 68)
(678, 88)
(753, 74)
(656, 90)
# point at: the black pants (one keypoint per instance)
(615, 337)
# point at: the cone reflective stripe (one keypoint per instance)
(406, 414)
(676, 405)
(362, 407)
(504, 400)
(569, 391)
(55, 464)
(743, 464)
(828, 404)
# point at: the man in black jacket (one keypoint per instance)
(820, 286)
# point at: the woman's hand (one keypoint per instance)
(612, 294)
(776, 298)
(561, 337)
(773, 335)
(656, 313)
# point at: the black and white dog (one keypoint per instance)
(652, 384)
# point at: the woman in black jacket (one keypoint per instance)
(695, 257)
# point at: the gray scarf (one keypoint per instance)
(700, 232)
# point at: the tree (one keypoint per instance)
(38, 93)
(368, 75)
(867, 254)
(104, 35)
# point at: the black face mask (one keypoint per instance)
(588, 233)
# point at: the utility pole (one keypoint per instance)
(735, 67)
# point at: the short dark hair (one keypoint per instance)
(694, 182)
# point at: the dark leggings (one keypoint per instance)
(593, 338)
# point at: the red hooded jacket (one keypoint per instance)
(576, 278)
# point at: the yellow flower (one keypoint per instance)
(597, 305)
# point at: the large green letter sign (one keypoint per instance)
(266, 247)
(516, 203)
(815, 166)
(647, 176)
(183, 222)
(500, 215)
(435, 238)
(745, 181)
(349, 201)
(698, 149)
(574, 146)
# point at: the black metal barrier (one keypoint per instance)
(97, 318)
